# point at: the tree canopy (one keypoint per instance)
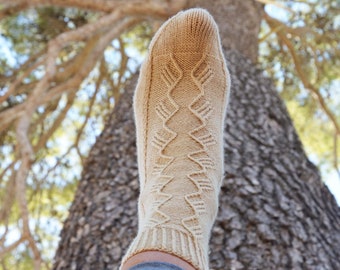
(64, 65)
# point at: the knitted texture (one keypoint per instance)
(180, 104)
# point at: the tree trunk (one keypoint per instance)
(239, 23)
(275, 212)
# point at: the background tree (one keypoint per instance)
(65, 65)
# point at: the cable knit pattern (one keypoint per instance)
(180, 103)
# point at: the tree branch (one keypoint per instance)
(42, 141)
(32, 63)
(9, 197)
(11, 247)
(82, 33)
(162, 8)
(315, 93)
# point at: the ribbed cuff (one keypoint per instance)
(172, 241)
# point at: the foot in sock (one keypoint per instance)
(180, 105)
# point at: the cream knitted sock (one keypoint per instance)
(180, 104)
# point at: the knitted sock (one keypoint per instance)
(180, 104)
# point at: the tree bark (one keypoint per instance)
(275, 212)
(239, 23)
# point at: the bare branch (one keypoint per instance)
(89, 112)
(162, 8)
(42, 141)
(23, 206)
(9, 196)
(275, 3)
(31, 64)
(315, 93)
(11, 247)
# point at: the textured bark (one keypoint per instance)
(275, 212)
(239, 23)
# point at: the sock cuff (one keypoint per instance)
(172, 241)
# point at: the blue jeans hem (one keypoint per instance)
(155, 266)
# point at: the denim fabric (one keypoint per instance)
(155, 266)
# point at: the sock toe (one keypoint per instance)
(193, 30)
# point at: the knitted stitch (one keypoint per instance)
(180, 105)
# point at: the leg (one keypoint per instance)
(156, 256)
(180, 105)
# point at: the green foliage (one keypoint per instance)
(139, 37)
(313, 30)
(315, 133)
